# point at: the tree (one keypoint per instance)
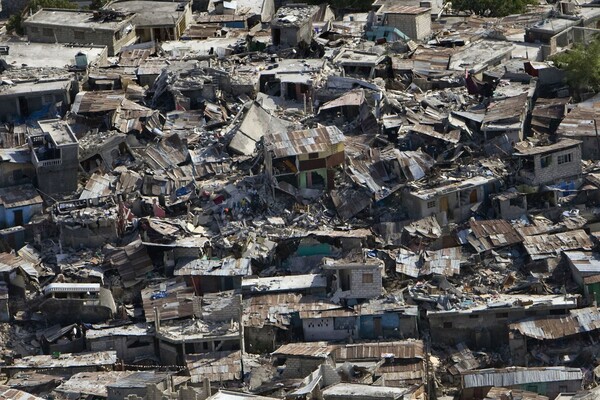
(15, 22)
(582, 66)
(97, 4)
(492, 8)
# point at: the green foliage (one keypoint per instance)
(492, 8)
(582, 66)
(14, 24)
(37, 4)
(98, 4)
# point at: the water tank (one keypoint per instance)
(81, 60)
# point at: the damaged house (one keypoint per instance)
(490, 319)
(54, 154)
(305, 158)
(74, 302)
(557, 164)
(355, 278)
(104, 27)
(292, 25)
(452, 200)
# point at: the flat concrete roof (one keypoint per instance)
(48, 55)
(74, 18)
(150, 13)
(58, 130)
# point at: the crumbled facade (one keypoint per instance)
(249, 199)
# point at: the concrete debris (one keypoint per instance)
(248, 199)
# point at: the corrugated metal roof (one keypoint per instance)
(217, 366)
(442, 262)
(224, 267)
(97, 102)
(66, 360)
(7, 393)
(492, 234)
(509, 109)
(131, 261)
(512, 376)
(543, 246)
(91, 383)
(405, 349)
(404, 9)
(284, 144)
(586, 262)
(556, 327)
(352, 98)
(579, 122)
(309, 349)
(20, 196)
(522, 148)
(172, 299)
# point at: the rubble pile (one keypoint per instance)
(248, 199)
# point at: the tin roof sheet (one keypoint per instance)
(284, 144)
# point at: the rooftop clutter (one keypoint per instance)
(243, 199)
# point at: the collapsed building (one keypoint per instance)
(250, 199)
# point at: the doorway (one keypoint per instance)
(18, 214)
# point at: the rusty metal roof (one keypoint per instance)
(403, 9)
(7, 393)
(560, 326)
(67, 360)
(442, 262)
(309, 349)
(509, 109)
(284, 144)
(498, 393)
(277, 308)
(225, 267)
(19, 196)
(492, 234)
(217, 366)
(523, 149)
(97, 102)
(172, 299)
(404, 349)
(579, 122)
(544, 246)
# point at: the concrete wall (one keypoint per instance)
(11, 111)
(16, 173)
(300, 367)
(293, 36)
(554, 172)
(316, 329)
(60, 178)
(393, 326)
(458, 203)
(89, 236)
(590, 146)
(481, 329)
(40, 32)
(268, 10)
(354, 283)
(119, 344)
(417, 27)
(7, 215)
